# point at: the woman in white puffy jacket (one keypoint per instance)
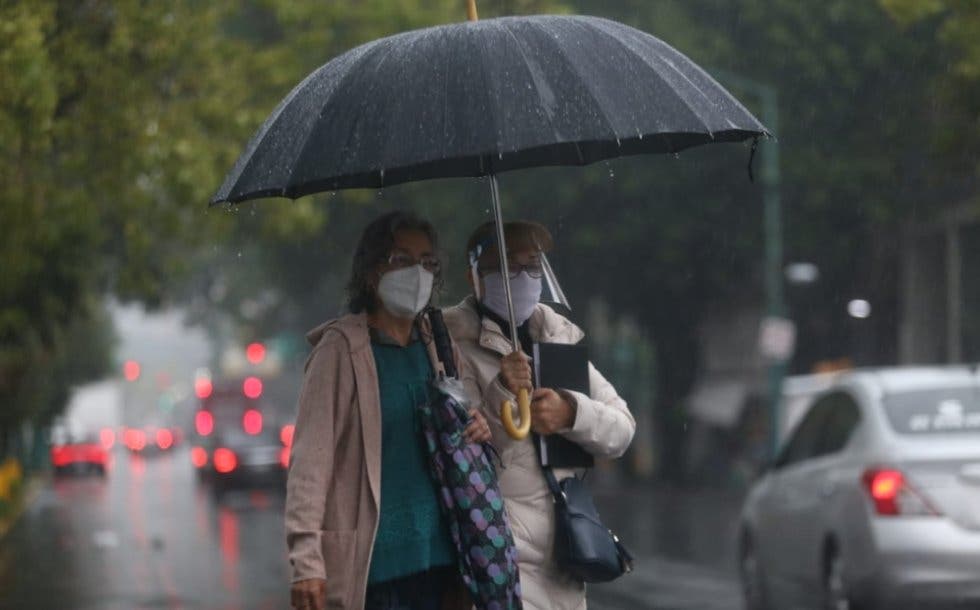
(598, 422)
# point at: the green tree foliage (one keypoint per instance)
(118, 121)
(956, 24)
(114, 127)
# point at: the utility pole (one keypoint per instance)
(773, 231)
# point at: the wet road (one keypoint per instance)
(149, 536)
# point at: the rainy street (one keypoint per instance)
(150, 536)
(145, 537)
(705, 277)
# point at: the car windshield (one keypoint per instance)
(935, 411)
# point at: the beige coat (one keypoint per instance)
(603, 426)
(334, 487)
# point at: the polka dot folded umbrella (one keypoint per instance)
(469, 496)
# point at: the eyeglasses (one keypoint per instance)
(402, 260)
(534, 270)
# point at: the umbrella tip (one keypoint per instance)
(471, 10)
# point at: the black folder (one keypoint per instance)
(566, 367)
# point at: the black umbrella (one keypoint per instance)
(480, 98)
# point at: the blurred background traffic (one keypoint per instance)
(151, 348)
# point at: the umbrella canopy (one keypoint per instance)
(480, 98)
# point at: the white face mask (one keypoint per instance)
(406, 292)
(525, 292)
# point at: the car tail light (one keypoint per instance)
(203, 387)
(60, 456)
(135, 439)
(252, 387)
(252, 421)
(893, 495)
(165, 438)
(224, 460)
(284, 457)
(286, 435)
(107, 437)
(199, 457)
(204, 422)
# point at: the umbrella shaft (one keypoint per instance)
(498, 219)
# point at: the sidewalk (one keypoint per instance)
(684, 541)
(691, 526)
(662, 584)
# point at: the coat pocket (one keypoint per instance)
(338, 548)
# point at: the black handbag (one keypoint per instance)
(584, 547)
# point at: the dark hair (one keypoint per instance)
(373, 249)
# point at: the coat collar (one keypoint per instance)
(353, 327)
(545, 326)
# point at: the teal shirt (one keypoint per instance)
(412, 533)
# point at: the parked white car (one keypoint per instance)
(874, 500)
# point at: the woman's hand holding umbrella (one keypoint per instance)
(515, 374)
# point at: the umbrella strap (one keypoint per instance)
(755, 145)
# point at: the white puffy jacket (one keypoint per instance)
(603, 426)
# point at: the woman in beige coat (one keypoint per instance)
(363, 523)
(599, 422)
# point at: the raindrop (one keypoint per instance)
(640, 135)
(500, 156)
(382, 172)
(333, 193)
(612, 174)
(677, 155)
(618, 144)
(239, 254)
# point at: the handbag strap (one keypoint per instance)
(553, 485)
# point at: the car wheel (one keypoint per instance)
(835, 593)
(753, 580)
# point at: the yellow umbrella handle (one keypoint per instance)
(524, 405)
(471, 10)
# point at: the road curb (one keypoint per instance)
(31, 489)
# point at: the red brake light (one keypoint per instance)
(284, 457)
(224, 460)
(252, 421)
(135, 439)
(255, 353)
(204, 422)
(131, 370)
(107, 437)
(252, 387)
(199, 457)
(203, 387)
(893, 495)
(165, 438)
(286, 435)
(884, 487)
(60, 456)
